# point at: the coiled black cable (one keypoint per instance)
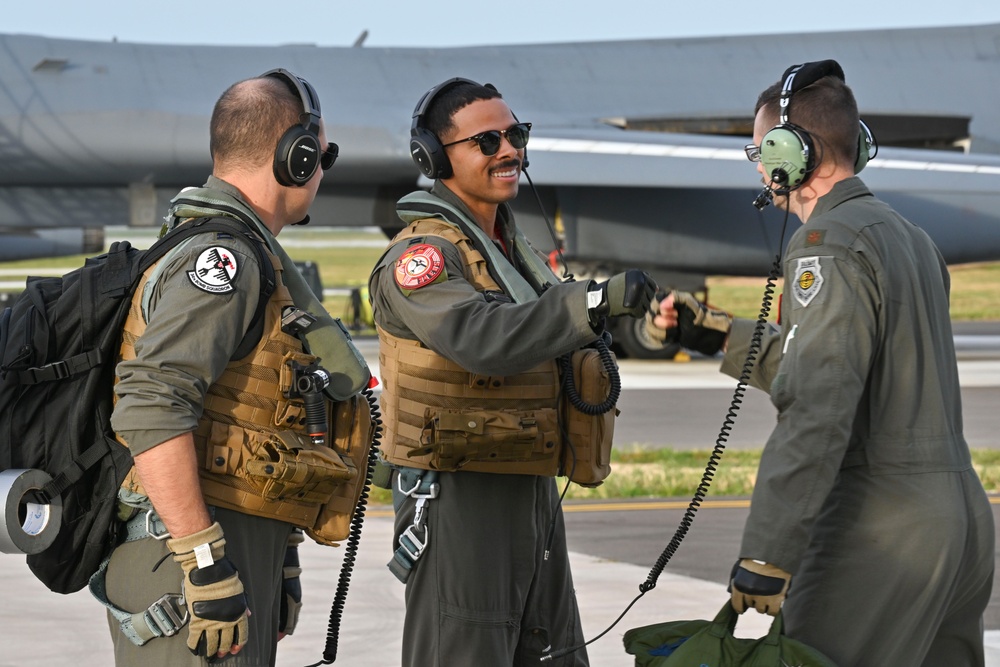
(720, 442)
(713, 460)
(569, 381)
(353, 538)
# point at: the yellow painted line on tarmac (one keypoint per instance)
(621, 506)
(635, 506)
(640, 505)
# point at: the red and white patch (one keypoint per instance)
(418, 266)
(214, 270)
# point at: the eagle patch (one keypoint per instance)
(808, 280)
(214, 271)
(419, 265)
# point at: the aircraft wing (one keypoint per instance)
(96, 133)
(681, 202)
(610, 157)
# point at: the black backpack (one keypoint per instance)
(59, 345)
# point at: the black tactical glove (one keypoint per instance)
(699, 327)
(291, 585)
(213, 592)
(627, 293)
(759, 585)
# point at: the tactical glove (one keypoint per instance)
(699, 327)
(627, 293)
(291, 585)
(213, 592)
(655, 332)
(759, 585)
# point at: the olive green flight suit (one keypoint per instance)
(482, 593)
(866, 491)
(190, 337)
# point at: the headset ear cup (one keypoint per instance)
(786, 154)
(297, 157)
(428, 154)
(862, 158)
(866, 142)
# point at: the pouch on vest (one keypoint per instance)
(479, 440)
(586, 457)
(282, 466)
(685, 643)
(351, 436)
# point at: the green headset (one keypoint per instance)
(787, 151)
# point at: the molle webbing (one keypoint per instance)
(439, 416)
(251, 440)
(449, 418)
(458, 419)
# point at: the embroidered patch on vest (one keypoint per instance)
(214, 270)
(808, 280)
(420, 265)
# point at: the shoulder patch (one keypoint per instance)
(214, 271)
(815, 237)
(808, 280)
(419, 265)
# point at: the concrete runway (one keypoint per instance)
(613, 544)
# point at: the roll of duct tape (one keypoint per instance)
(27, 527)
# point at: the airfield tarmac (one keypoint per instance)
(613, 543)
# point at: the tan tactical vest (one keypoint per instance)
(255, 455)
(439, 416)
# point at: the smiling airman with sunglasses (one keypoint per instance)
(487, 162)
(471, 322)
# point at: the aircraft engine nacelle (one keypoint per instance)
(18, 244)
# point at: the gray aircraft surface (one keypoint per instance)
(636, 148)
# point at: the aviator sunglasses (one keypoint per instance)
(489, 141)
(329, 156)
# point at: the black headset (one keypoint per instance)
(298, 153)
(425, 147)
(787, 151)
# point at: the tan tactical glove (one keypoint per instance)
(655, 332)
(699, 327)
(291, 586)
(759, 585)
(213, 592)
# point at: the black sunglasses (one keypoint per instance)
(329, 156)
(753, 152)
(489, 141)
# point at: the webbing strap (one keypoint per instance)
(165, 617)
(422, 485)
(59, 370)
(74, 471)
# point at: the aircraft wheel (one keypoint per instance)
(630, 338)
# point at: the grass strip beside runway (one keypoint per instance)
(345, 264)
(666, 473)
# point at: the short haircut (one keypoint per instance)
(826, 110)
(439, 117)
(249, 120)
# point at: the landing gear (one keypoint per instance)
(630, 339)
